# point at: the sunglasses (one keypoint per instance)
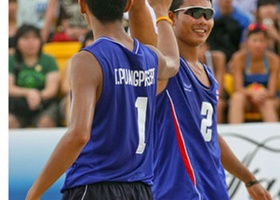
(197, 11)
(255, 27)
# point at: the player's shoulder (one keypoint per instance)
(84, 59)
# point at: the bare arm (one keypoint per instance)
(237, 169)
(141, 21)
(237, 65)
(65, 84)
(219, 61)
(51, 85)
(85, 83)
(50, 12)
(273, 77)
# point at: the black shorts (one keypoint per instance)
(110, 191)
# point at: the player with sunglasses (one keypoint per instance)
(189, 153)
(197, 12)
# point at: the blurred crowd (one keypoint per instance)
(243, 52)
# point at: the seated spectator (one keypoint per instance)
(71, 24)
(35, 13)
(267, 15)
(33, 82)
(229, 25)
(255, 74)
(248, 6)
(12, 24)
(64, 105)
(216, 61)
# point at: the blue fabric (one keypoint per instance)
(129, 84)
(261, 78)
(187, 153)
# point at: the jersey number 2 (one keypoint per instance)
(141, 105)
(207, 111)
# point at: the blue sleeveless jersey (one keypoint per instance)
(187, 153)
(121, 141)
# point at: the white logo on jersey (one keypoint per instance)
(135, 77)
(187, 88)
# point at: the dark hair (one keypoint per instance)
(107, 10)
(23, 30)
(266, 2)
(256, 28)
(88, 36)
(177, 3)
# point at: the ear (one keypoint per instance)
(82, 6)
(128, 5)
(171, 15)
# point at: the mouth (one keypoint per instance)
(200, 30)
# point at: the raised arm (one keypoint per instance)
(141, 23)
(142, 28)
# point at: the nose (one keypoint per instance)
(202, 19)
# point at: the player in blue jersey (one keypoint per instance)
(107, 150)
(189, 153)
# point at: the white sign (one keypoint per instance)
(257, 145)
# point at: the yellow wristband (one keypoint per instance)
(164, 18)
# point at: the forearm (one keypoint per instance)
(15, 91)
(50, 13)
(232, 164)
(61, 159)
(167, 43)
(141, 23)
(51, 86)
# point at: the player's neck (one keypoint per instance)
(190, 54)
(116, 32)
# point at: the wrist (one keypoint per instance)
(164, 18)
(251, 183)
(41, 96)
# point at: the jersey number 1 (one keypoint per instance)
(141, 105)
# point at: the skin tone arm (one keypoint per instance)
(136, 13)
(65, 86)
(34, 96)
(237, 68)
(166, 38)
(237, 169)
(51, 86)
(50, 12)
(138, 23)
(274, 72)
(85, 83)
(219, 60)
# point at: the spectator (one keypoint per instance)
(267, 15)
(65, 85)
(35, 13)
(229, 25)
(255, 72)
(216, 61)
(12, 24)
(248, 6)
(71, 25)
(33, 82)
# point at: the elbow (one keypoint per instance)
(79, 136)
(175, 66)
